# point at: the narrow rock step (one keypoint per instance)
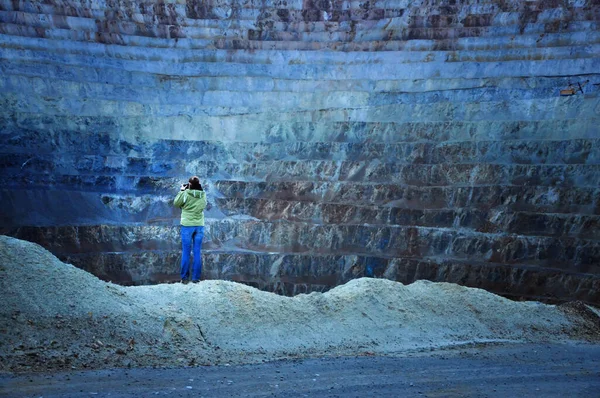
(56, 205)
(197, 118)
(395, 32)
(494, 221)
(143, 81)
(409, 33)
(254, 14)
(264, 17)
(144, 130)
(180, 53)
(420, 6)
(446, 70)
(278, 18)
(291, 274)
(534, 211)
(579, 175)
(587, 49)
(67, 206)
(271, 100)
(286, 237)
(515, 198)
(176, 154)
(14, 32)
(255, 39)
(167, 10)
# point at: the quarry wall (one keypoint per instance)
(445, 140)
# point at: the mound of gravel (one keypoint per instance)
(56, 316)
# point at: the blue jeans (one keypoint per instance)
(191, 236)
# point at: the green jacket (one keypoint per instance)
(192, 203)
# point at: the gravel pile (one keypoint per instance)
(55, 316)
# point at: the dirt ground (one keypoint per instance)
(505, 370)
(56, 317)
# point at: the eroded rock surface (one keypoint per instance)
(399, 139)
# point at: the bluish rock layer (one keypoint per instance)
(445, 140)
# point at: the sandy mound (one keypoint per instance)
(57, 316)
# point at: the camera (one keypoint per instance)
(186, 185)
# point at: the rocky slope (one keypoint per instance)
(56, 316)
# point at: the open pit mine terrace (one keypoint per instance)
(452, 141)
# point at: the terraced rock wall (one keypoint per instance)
(401, 139)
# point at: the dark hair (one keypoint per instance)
(195, 183)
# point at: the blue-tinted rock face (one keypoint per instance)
(445, 140)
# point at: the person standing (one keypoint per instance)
(191, 199)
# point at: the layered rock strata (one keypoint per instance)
(445, 140)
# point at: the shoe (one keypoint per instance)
(196, 281)
(184, 281)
